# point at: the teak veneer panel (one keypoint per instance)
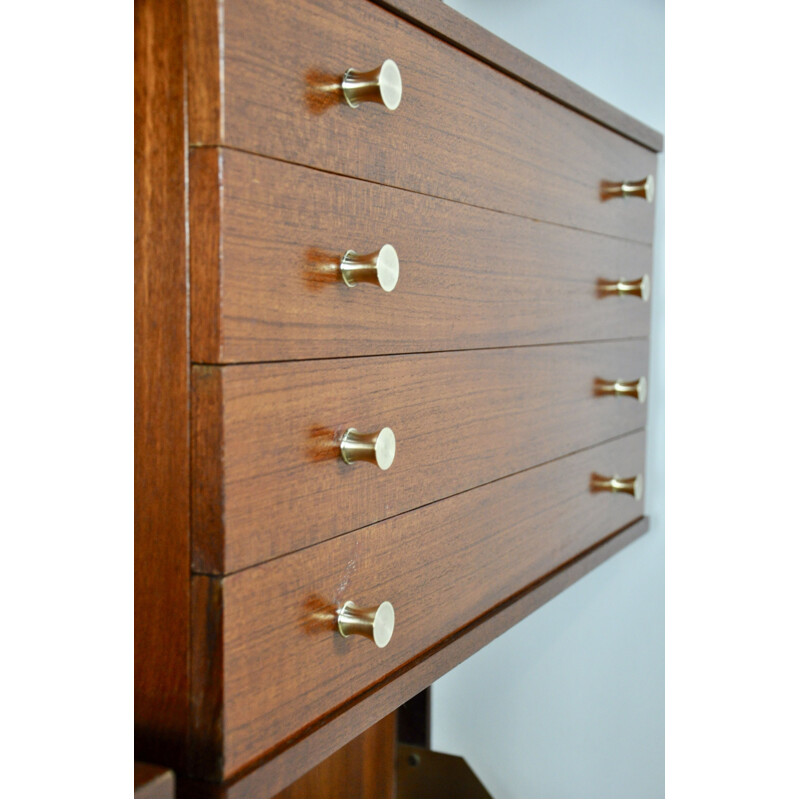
(267, 474)
(161, 386)
(271, 629)
(267, 238)
(233, 667)
(448, 24)
(283, 765)
(260, 77)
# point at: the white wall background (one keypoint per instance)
(570, 702)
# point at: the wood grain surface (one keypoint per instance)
(267, 238)
(448, 24)
(268, 478)
(280, 767)
(265, 689)
(364, 767)
(152, 781)
(463, 130)
(283, 666)
(161, 381)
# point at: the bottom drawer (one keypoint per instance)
(266, 657)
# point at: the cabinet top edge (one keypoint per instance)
(447, 24)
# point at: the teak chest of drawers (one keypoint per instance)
(366, 232)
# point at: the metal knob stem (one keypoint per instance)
(637, 288)
(637, 389)
(375, 623)
(377, 448)
(381, 85)
(632, 486)
(381, 268)
(644, 188)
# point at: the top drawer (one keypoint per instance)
(264, 77)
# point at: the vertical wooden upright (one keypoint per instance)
(161, 376)
(364, 767)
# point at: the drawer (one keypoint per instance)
(267, 239)
(267, 474)
(266, 660)
(462, 131)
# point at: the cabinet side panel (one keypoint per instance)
(161, 379)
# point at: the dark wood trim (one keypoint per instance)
(424, 773)
(161, 386)
(205, 737)
(414, 720)
(454, 28)
(326, 736)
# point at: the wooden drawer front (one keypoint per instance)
(263, 286)
(268, 478)
(463, 130)
(270, 629)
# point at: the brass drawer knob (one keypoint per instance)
(637, 389)
(637, 288)
(631, 486)
(377, 448)
(643, 188)
(374, 623)
(381, 85)
(381, 268)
